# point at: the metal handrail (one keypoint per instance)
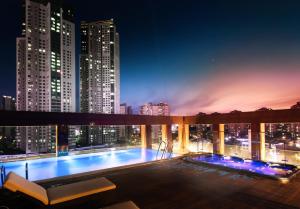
(159, 146)
(3, 174)
(164, 150)
(171, 152)
(26, 170)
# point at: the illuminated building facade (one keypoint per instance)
(155, 109)
(45, 67)
(99, 68)
(99, 77)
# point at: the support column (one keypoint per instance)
(218, 138)
(166, 132)
(183, 136)
(146, 136)
(249, 140)
(62, 135)
(186, 135)
(258, 141)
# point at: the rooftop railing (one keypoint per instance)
(257, 120)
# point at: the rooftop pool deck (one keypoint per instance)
(175, 184)
(46, 168)
(279, 171)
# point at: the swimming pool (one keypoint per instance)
(275, 170)
(61, 166)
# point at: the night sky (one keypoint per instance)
(203, 56)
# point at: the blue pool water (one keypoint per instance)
(53, 167)
(277, 170)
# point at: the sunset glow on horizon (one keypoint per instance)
(249, 89)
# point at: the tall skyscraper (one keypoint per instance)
(99, 76)
(46, 58)
(99, 68)
(45, 66)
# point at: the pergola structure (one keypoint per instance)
(257, 120)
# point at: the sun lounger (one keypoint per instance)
(123, 205)
(59, 194)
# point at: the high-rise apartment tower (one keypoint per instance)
(45, 65)
(99, 78)
(99, 68)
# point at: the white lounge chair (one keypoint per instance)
(59, 194)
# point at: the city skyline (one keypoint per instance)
(104, 102)
(219, 46)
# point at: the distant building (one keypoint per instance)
(237, 130)
(126, 131)
(124, 109)
(99, 77)
(155, 109)
(8, 133)
(45, 66)
(161, 109)
(264, 109)
(8, 103)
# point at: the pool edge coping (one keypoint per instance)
(90, 173)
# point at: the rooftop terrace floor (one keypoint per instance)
(175, 184)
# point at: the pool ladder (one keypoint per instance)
(3, 174)
(164, 149)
